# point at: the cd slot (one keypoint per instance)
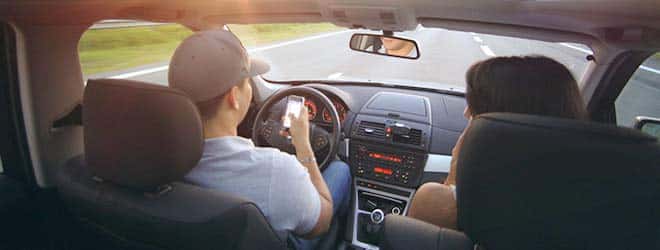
(383, 188)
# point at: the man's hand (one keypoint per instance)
(299, 131)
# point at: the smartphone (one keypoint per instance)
(293, 106)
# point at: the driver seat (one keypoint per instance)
(140, 140)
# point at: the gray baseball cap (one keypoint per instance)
(209, 63)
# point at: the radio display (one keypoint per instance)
(380, 170)
(385, 157)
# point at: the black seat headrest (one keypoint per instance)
(526, 181)
(139, 135)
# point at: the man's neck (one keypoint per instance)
(214, 129)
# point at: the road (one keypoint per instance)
(444, 58)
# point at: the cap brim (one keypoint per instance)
(258, 67)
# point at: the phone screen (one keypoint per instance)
(293, 106)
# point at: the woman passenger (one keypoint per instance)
(534, 85)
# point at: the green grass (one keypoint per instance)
(261, 34)
(103, 50)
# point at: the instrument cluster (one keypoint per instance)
(318, 113)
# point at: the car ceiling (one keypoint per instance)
(632, 23)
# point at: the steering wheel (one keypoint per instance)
(268, 124)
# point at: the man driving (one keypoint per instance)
(213, 68)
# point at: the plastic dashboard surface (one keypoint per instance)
(445, 115)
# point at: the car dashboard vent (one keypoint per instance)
(371, 129)
(414, 137)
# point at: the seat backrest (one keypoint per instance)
(530, 182)
(139, 140)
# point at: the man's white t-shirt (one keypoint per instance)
(274, 180)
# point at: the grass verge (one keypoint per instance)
(103, 50)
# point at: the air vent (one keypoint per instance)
(414, 137)
(371, 129)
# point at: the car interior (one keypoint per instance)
(98, 162)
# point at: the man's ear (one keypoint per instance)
(232, 97)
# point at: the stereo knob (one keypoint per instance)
(396, 210)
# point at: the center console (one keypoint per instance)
(388, 150)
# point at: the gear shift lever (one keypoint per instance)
(377, 216)
(373, 227)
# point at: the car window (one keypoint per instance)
(129, 49)
(641, 95)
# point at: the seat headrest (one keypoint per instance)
(521, 178)
(139, 135)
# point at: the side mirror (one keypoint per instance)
(385, 45)
(648, 125)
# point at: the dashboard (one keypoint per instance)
(442, 117)
(445, 111)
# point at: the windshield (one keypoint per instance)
(321, 52)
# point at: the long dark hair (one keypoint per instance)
(529, 85)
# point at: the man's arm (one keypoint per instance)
(300, 137)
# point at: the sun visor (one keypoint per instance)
(373, 16)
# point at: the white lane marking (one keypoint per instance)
(577, 48)
(487, 51)
(162, 68)
(652, 70)
(140, 72)
(335, 75)
(296, 41)
(477, 39)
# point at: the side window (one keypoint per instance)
(128, 49)
(641, 95)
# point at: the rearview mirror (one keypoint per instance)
(385, 45)
(648, 125)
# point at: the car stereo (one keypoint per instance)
(376, 162)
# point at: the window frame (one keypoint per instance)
(601, 106)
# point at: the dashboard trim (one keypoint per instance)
(436, 163)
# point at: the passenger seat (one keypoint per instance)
(533, 182)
